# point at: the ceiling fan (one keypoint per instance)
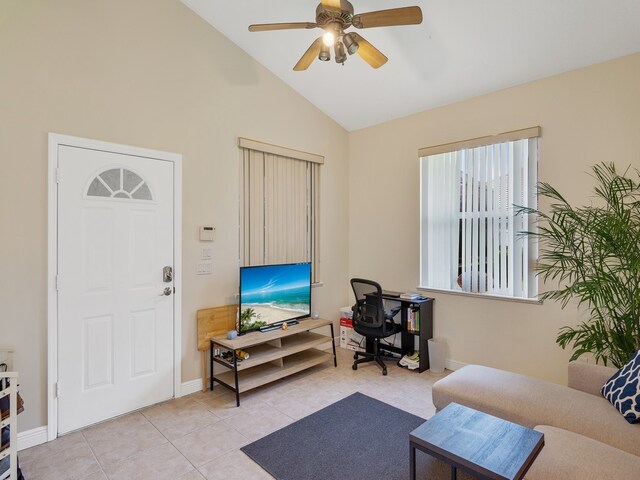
(334, 17)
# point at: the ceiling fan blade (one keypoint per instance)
(388, 18)
(309, 56)
(369, 53)
(263, 27)
(331, 4)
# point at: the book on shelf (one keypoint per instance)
(410, 296)
(413, 320)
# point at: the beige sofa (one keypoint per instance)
(585, 436)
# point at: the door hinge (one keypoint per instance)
(57, 389)
(58, 175)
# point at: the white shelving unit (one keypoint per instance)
(10, 422)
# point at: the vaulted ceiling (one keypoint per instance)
(462, 49)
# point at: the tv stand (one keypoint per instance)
(272, 355)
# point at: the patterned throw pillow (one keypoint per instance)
(623, 390)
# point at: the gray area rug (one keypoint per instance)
(355, 438)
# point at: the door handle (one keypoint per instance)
(166, 292)
(167, 274)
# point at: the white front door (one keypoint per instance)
(115, 305)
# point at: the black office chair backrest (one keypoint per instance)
(368, 309)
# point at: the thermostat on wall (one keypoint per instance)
(207, 233)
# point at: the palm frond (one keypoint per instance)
(592, 254)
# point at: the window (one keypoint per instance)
(471, 239)
(279, 206)
(119, 183)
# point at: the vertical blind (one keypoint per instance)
(280, 206)
(470, 236)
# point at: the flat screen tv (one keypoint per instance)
(273, 294)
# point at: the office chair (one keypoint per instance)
(371, 321)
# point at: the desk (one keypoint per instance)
(483, 445)
(424, 309)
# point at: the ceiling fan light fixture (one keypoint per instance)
(350, 43)
(334, 17)
(325, 53)
(341, 56)
(329, 39)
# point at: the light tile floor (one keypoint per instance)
(199, 436)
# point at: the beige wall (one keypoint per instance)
(587, 116)
(151, 73)
(148, 73)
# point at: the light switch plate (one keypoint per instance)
(204, 268)
(206, 253)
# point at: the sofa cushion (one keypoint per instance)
(588, 377)
(530, 402)
(570, 456)
(623, 390)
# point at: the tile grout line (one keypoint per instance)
(132, 454)
(94, 456)
(223, 420)
(196, 430)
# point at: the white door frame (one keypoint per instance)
(56, 140)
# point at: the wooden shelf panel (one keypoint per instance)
(264, 353)
(267, 372)
(256, 338)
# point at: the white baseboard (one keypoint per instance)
(453, 364)
(190, 387)
(31, 438)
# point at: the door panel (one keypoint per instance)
(97, 244)
(143, 334)
(115, 328)
(142, 226)
(97, 352)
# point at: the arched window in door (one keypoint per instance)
(119, 183)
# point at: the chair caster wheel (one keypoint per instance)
(384, 372)
(355, 356)
(354, 367)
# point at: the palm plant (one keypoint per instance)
(247, 321)
(593, 254)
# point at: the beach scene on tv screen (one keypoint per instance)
(275, 293)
